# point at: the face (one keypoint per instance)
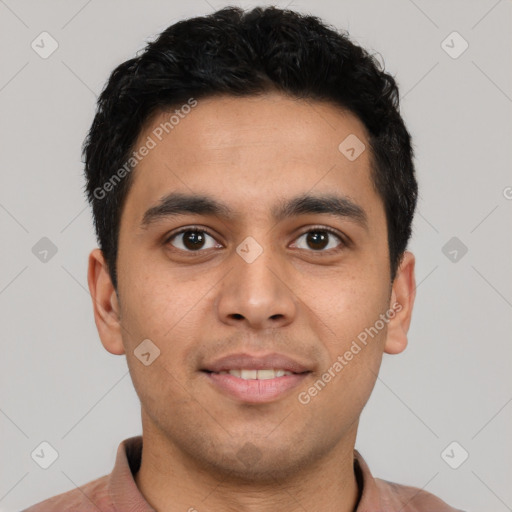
(251, 278)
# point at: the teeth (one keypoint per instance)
(258, 374)
(248, 374)
(266, 374)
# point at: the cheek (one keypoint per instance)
(170, 313)
(164, 314)
(351, 300)
(350, 313)
(344, 384)
(154, 304)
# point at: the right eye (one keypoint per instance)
(191, 240)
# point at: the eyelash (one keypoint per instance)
(194, 229)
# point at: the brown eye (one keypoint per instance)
(320, 240)
(191, 240)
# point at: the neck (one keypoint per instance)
(171, 481)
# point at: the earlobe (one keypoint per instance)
(105, 303)
(401, 305)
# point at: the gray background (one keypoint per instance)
(453, 383)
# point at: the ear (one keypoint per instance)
(403, 293)
(105, 303)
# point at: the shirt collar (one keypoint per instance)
(123, 490)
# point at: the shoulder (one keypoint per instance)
(411, 499)
(91, 497)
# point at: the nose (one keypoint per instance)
(256, 294)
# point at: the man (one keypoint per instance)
(253, 191)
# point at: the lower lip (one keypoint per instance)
(253, 390)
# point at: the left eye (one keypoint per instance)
(319, 240)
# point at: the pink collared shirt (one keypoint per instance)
(118, 492)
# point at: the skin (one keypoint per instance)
(196, 306)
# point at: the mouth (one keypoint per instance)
(251, 374)
(255, 379)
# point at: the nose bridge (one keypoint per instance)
(254, 291)
(257, 271)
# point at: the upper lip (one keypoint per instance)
(256, 362)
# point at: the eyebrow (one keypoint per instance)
(178, 204)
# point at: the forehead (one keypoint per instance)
(252, 151)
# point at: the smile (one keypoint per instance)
(264, 374)
(255, 386)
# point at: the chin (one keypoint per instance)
(255, 462)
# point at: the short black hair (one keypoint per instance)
(243, 53)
